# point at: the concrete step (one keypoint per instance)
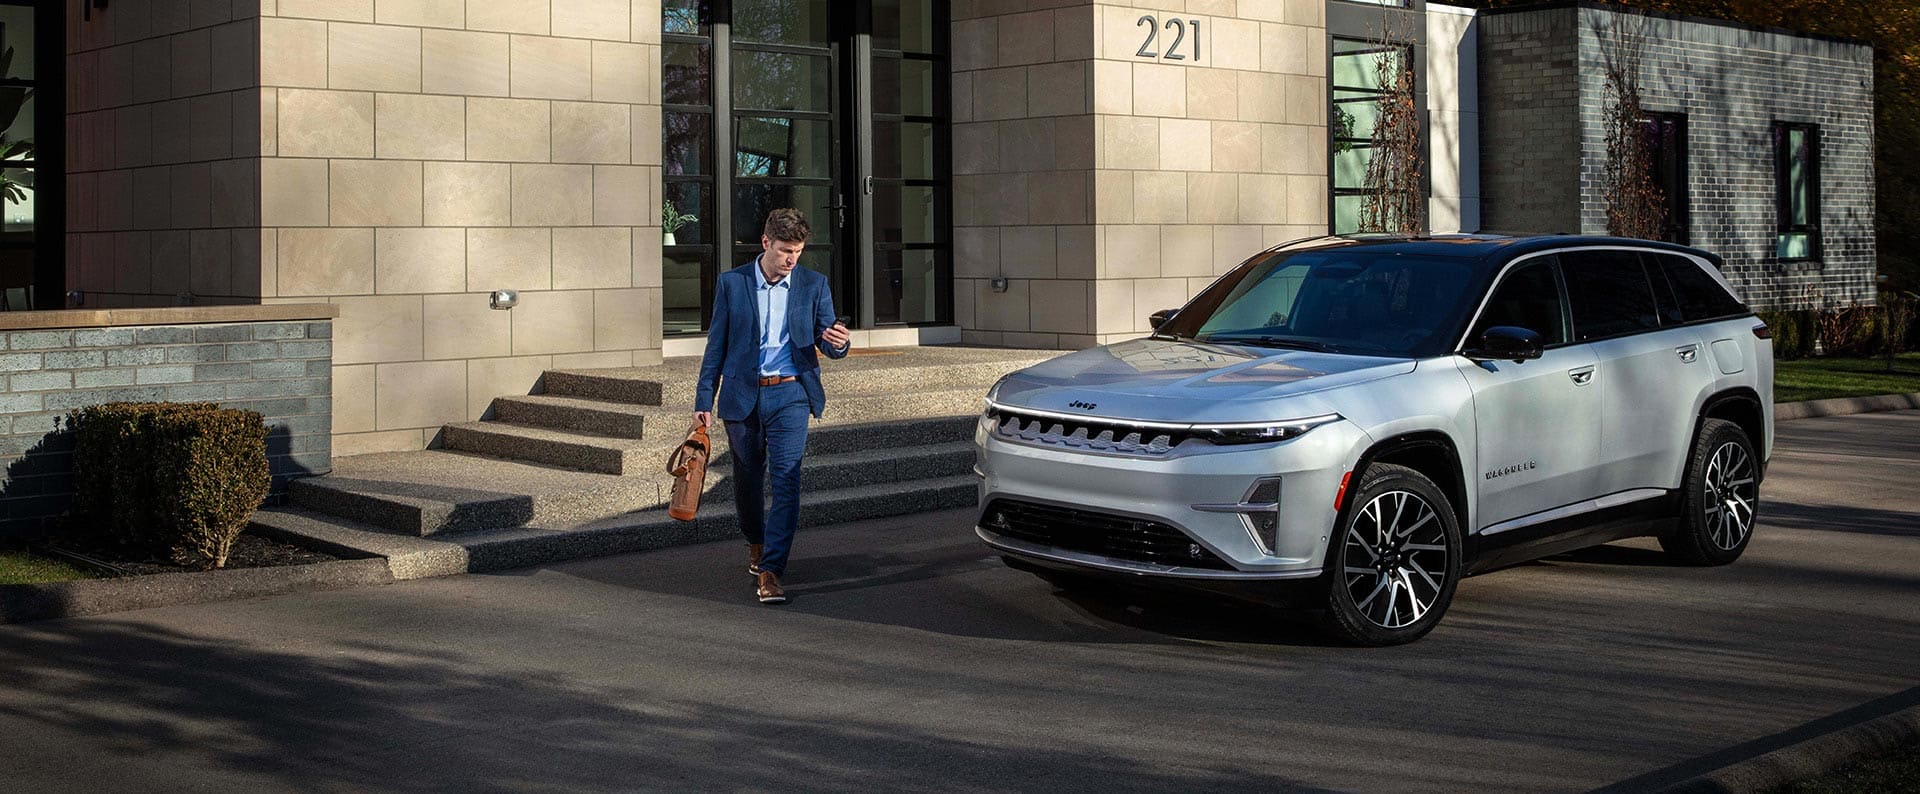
(875, 415)
(493, 550)
(610, 385)
(582, 414)
(582, 451)
(436, 491)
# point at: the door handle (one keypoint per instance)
(1687, 353)
(1581, 376)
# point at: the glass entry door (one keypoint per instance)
(835, 108)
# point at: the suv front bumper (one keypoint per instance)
(1165, 490)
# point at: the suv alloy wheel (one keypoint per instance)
(1719, 499)
(1396, 561)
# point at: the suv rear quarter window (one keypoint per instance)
(1700, 295)
(1609, 292)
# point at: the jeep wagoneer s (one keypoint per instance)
(1352, 425)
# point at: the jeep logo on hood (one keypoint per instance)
(1084, 406)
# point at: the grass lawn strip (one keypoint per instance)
(1824, 378)
(19, 567)
(1895, 771)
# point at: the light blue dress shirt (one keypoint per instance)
(776, 356)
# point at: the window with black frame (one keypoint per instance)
(1667, 143)
(1360, 89)
(1796, 159)
(687, 165)
(22, 233)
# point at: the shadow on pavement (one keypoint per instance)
(392, 718)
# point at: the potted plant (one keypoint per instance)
(671, 219)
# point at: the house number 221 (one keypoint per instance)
(1179, 34)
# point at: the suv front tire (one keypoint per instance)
(1394, 565)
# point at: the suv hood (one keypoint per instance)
(1164, 379)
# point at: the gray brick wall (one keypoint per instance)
(1732, 83)
(1528, 126)
(283, 370)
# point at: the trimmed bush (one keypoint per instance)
(174, 478)
(1793, 333)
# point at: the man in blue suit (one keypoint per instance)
(769, 316)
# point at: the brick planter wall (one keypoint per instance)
(280, 367)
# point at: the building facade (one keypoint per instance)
(1035, 173)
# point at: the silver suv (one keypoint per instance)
(1352, 425)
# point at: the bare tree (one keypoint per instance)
(1636, 206)
(1394, 196)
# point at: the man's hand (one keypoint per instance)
(703, 418)
(836, 337)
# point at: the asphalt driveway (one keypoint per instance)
(912, 660)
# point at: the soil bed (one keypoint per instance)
(249, 551)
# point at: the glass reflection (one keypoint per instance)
(680, 294)
(682, 199)
(903, 87)
(903, 151)
(686, 143)
(905, 287)
(686, 17)
(779, 147)
(903, 25)
(806, 22)
(686, 76)
(752, 201)
(781, 81)
(16, 42)
(903, 214)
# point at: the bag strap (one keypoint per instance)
(681, 459)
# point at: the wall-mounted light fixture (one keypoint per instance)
(75, 298)
(503, 299)
(999, 283)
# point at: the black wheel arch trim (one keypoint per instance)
(1454, 486)
(1739, 398)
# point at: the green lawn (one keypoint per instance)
(1895, 771)
(1821, 378)
(19, 567)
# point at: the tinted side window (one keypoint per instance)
(1529, 297)
(1663, 296)
(1610, 293)
(1700, 296)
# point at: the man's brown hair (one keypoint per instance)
(787, 225)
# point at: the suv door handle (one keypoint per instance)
(1687, 353)
(1581, 376)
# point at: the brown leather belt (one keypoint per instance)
(775, 380)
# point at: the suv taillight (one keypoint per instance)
(1761, 331)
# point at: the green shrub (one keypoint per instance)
(1793, 333)
(178, 478)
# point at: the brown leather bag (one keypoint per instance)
(688, 465)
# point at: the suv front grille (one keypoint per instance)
(1091, 532)
(1098, 435)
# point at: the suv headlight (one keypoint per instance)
(1261, 432)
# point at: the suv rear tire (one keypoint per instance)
(1392, 567)
(1719, 498)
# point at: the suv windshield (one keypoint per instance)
(1366, 300)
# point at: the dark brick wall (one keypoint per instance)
(1529, 134)
(283, 370)
(1732, 83)
(1544, 147)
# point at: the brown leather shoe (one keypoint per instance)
(753, 558)
(770, 591)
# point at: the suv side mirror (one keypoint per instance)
(1160, 318)
(1509, 343)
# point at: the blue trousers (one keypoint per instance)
(767, 445)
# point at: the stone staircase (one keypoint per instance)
(578, 469)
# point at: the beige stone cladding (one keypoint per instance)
(1105, 175)
(162, 154)
(406, 160)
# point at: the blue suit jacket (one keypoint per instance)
(732, 360)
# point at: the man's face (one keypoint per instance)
(780, 257)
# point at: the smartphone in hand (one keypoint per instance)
(844, 321)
